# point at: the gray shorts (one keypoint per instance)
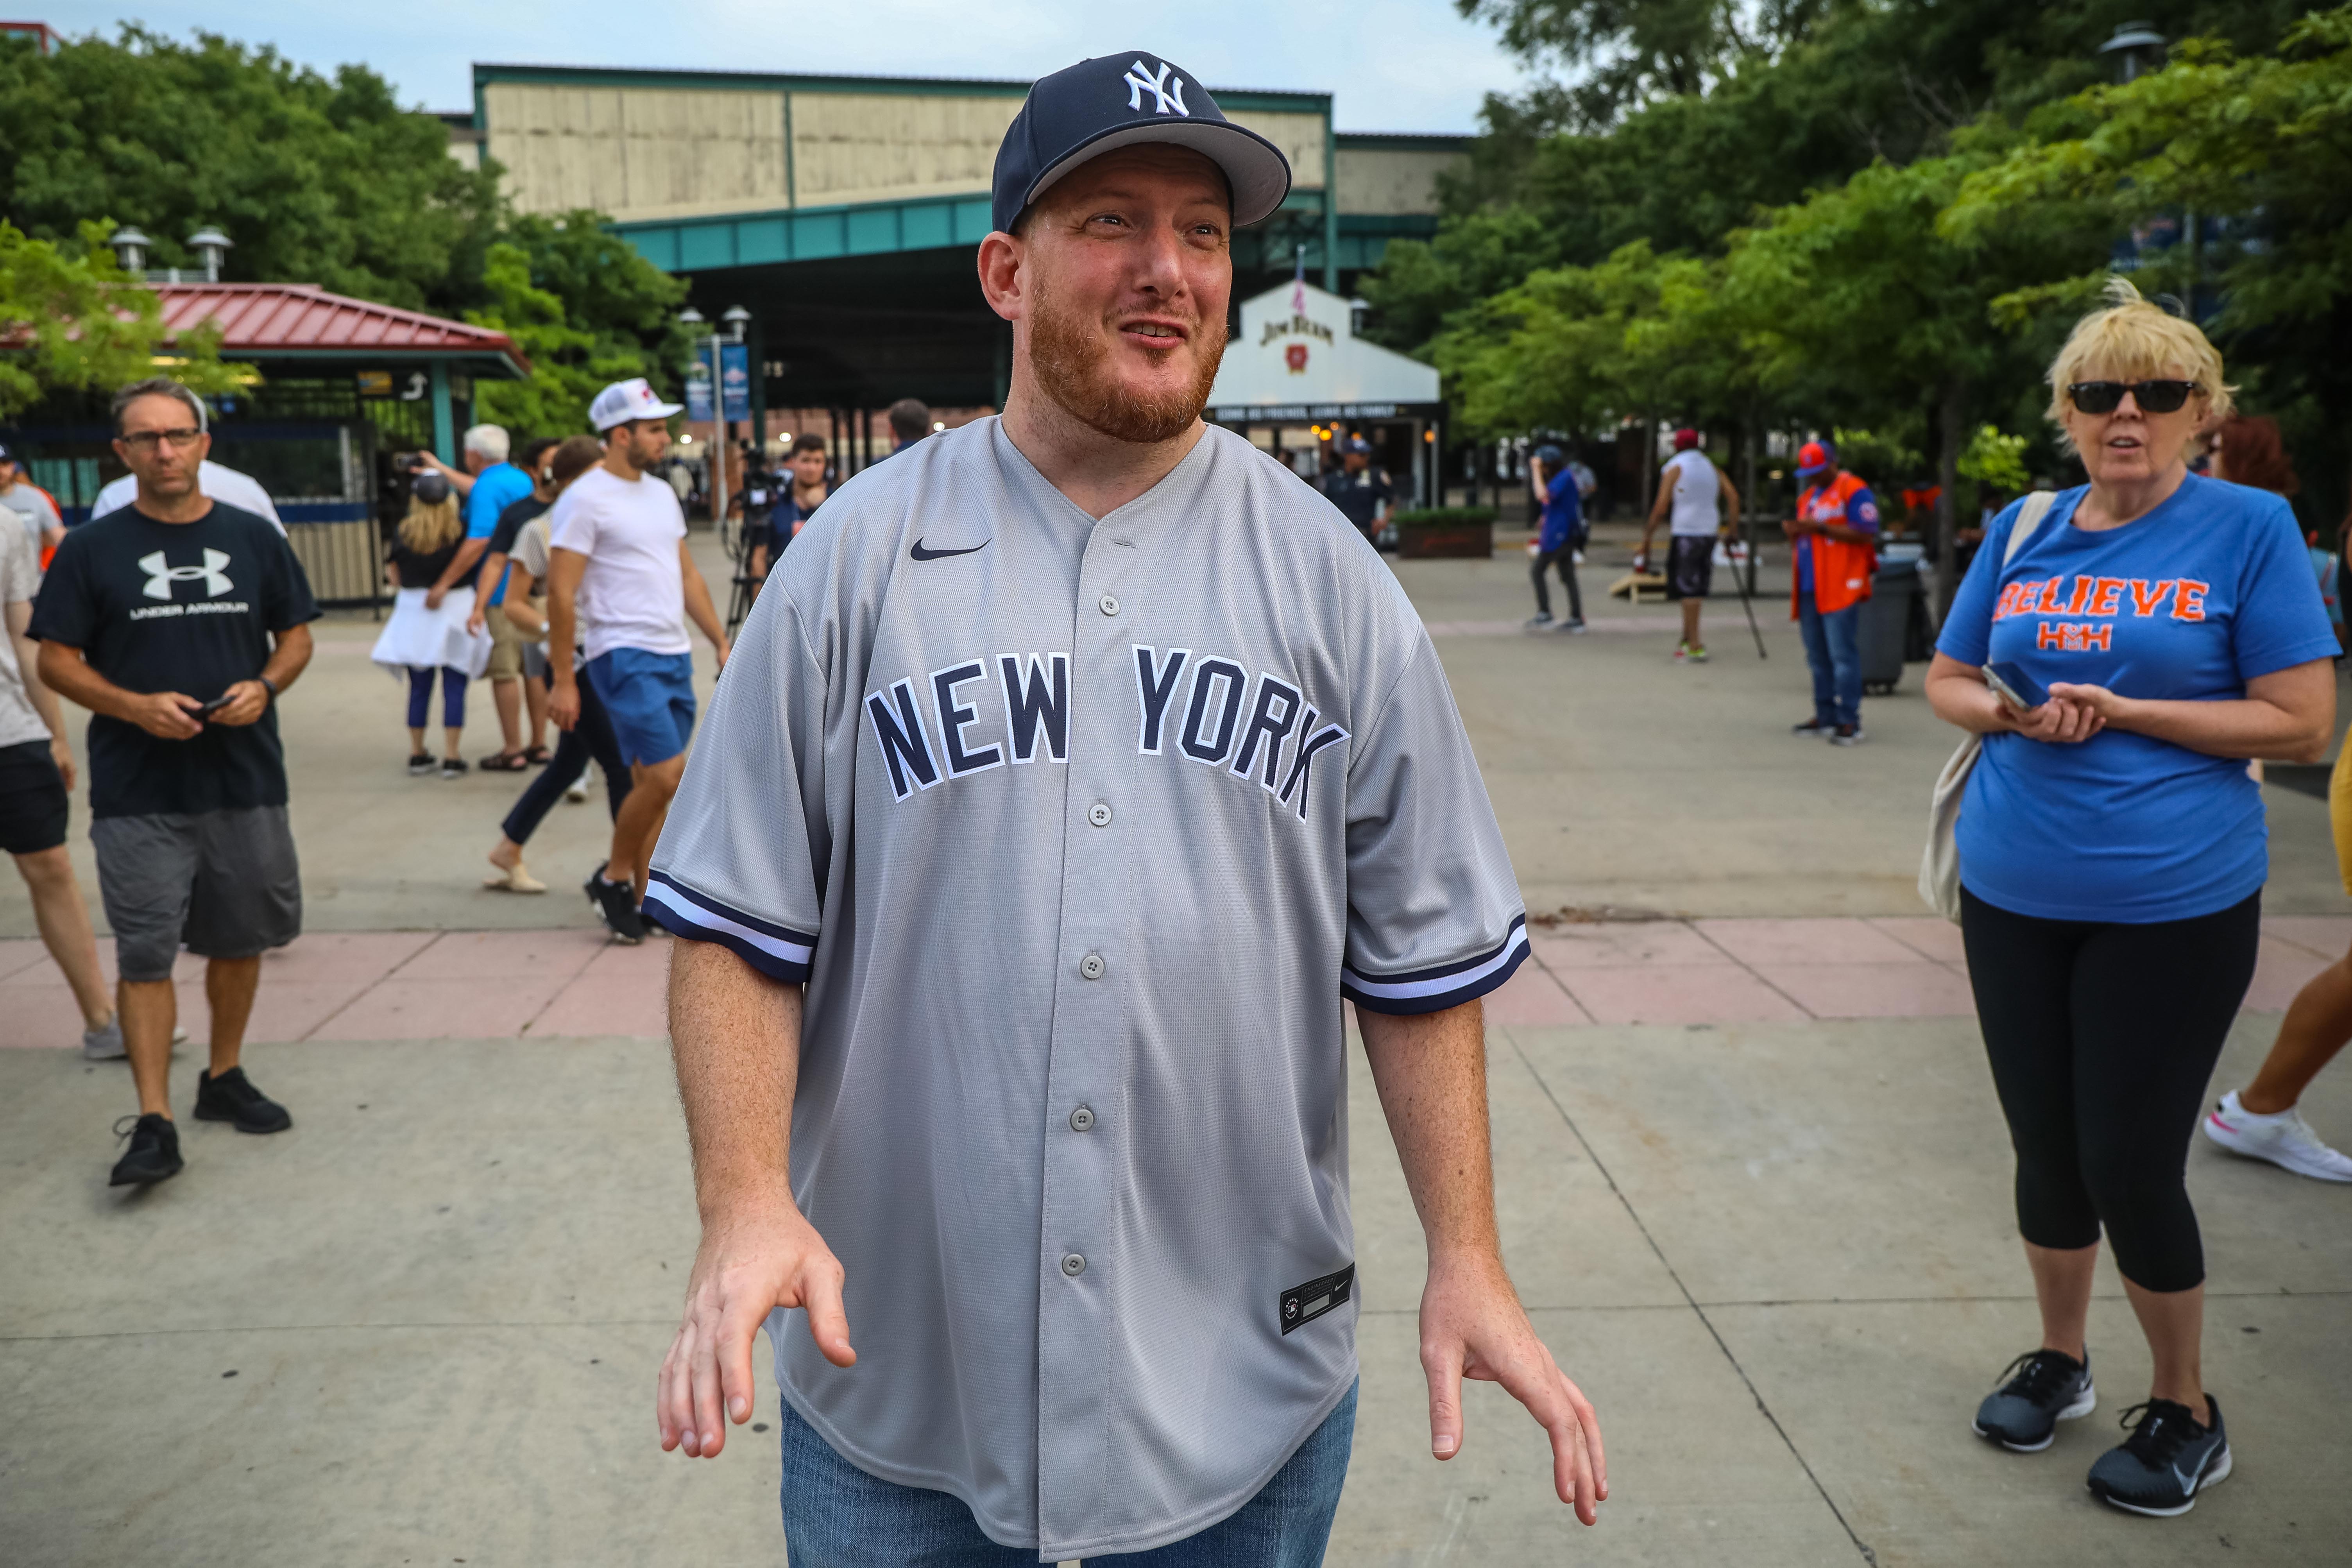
(225, 883)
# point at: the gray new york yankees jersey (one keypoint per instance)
(1079, 832)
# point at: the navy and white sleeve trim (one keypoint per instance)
(778, 952)
(1434, 990)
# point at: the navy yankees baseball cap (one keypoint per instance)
(1119, 101)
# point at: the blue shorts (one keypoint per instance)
(649, 698)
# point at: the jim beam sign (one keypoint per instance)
(1300, 329)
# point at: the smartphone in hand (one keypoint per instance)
(216, 705)
(2013, 686)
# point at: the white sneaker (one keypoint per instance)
(103, 1044)
(2285, 1140)
(577, 790)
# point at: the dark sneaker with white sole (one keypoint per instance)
(2038, 1390)
(1812, 728)
(231, 1098)
(2169, 1459)
(616, 905)
(154, 1154)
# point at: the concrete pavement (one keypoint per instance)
(1753, 1184)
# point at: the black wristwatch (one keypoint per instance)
(270, 684)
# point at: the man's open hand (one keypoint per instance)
(1472, 1325)
(745, 1267)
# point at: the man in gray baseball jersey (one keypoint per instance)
(1078, 765)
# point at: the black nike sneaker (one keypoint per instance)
(615, 904)
(232, 1097)
(2169, 1459)
(154, 1154)
(2038, 1390)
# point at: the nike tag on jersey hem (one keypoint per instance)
(921, 553)
(1303, 1304)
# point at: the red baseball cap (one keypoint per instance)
(1814, 456)
(1684, 440)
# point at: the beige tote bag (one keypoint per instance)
(1940, 864)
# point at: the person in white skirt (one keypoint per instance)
(423, 637)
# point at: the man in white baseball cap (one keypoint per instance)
(621, 587)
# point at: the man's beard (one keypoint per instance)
(1068, 358)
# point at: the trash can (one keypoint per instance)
(1886, 620)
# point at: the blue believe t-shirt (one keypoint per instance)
(495, 488)
(2186, 604)
(1561, 509)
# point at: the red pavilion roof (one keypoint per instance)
(263, 319)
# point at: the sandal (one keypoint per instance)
(503, 763)
(535, 755)
(518, 880)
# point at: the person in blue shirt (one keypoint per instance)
(489, 485)
(2164, 628)
(1558, 537)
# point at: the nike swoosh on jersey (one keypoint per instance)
(921, 553)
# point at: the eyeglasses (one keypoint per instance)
(148, 440)
(2153, 396)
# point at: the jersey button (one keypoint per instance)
(1099, 814)
(1082, 1118)
(1092, 966)
(1110, 603)
(1073, 1264)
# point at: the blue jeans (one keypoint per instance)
(1831, 648)
(837, 1516)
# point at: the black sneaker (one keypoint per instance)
(1812, 728)
(154, 1154)
(232, 1097)
(453, 767)
(1847, 735)
(616, 905)
(2169, 1459)
(2040, 1389)
(419, 765)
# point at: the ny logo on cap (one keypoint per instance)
(160, 577)
(1169, 89)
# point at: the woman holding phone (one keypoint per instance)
(2112, 854)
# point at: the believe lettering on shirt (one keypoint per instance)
(1207, 726)
(2101, 598)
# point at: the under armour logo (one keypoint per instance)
(160, 577)
(1168, 89)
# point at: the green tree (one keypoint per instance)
(71, 322)
(2265, 146)
(328, 182)
(584, 308)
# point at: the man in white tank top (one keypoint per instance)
(1705, 507)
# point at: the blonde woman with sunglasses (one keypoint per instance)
(2152, 631)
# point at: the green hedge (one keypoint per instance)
(1445, 517)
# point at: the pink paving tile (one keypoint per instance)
(362, 956)
(505, 955)
(20, 954)
(1930, 936)
(1685, 994)
(405, 1008)
(39, 1014)
(1532, 997)
(1618, 943)
(2281, 969)
(616, 1001)
(649, 959)
(2330, 936)
(1805, 942)
(1919, 989)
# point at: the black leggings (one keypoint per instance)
(2102, 1037)
(590, 737)
(1565, 559)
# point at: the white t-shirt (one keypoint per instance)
(632, 594)
(1698, 507)
(225, 486)
(32, 503)
(20, 579)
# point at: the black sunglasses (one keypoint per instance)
(2153, 396)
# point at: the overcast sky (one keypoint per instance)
(1394, 65)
